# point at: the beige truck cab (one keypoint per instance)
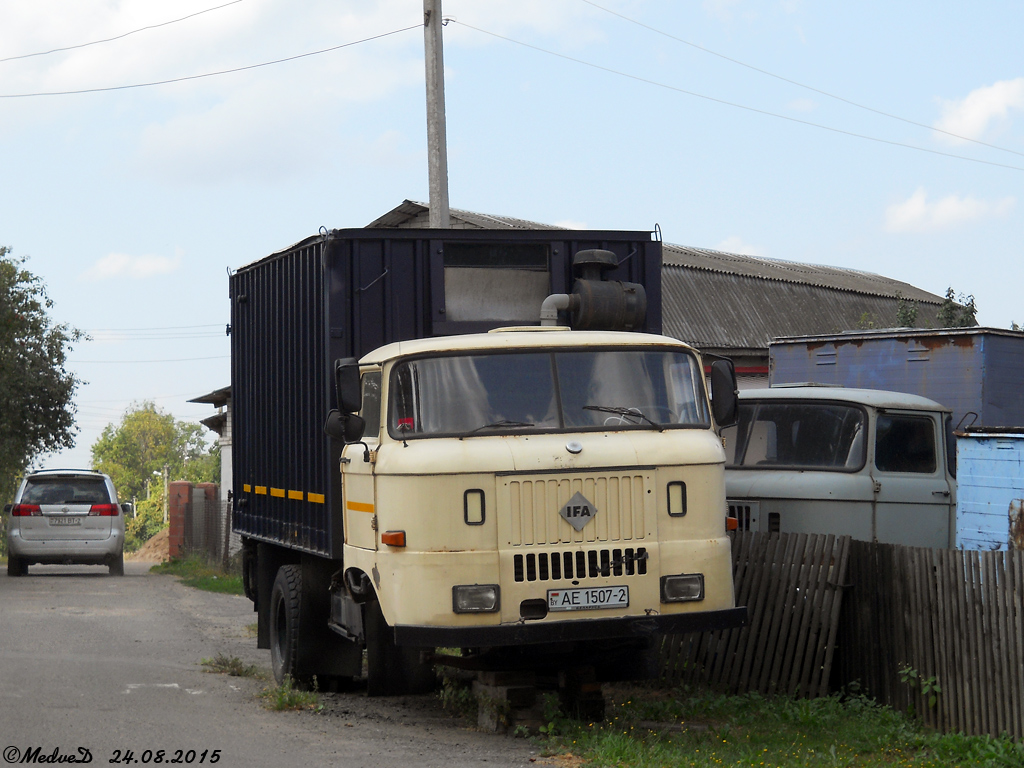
(533, 490)
(874, 465)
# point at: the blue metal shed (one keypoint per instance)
(990, 493)
(977, 370)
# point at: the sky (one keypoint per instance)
(879, 136)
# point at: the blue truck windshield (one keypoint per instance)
(545, 391)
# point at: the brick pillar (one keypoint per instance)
(179, 495)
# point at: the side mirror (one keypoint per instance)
(126, 508)
(346, 381)
(724, 393)
(8, 508)
(346, 427)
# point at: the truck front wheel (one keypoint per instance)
(285, 608)
(392, 670)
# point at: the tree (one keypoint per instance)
(136, 450)
(36, 392)
(906, 312)
(957, 312)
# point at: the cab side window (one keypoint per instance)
(371, 403)
(905, 444)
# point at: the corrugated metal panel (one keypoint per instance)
(834, 278)
(411, 214)
(990, 491)
(969, 370)
(717, 310)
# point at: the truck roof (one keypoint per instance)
(876, 398)
(526, 337)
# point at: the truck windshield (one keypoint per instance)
(819, 435)
(526, 392)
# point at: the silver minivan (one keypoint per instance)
(67, 516)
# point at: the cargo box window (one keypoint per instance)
(823, 436)
(905, 444)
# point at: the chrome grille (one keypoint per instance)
(580, 564)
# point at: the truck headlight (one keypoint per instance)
(683, 588)
(476, 598)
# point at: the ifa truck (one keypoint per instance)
(474, 440)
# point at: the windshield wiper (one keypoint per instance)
(503, 423)
(619, 410)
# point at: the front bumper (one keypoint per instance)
(526, 632)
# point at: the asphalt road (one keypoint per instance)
(94, 666)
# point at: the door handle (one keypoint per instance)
(940, 493)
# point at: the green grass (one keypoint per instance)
(648, 728)
(194, 571)
(287, 696)
(230, 665)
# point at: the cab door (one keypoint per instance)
(358, 480)
(913, 497)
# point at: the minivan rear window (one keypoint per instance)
(65, 490)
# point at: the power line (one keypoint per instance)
(135, 362)
(735, 104)
(209, 74)
(799, 84)
(118, 37)
(154, 328)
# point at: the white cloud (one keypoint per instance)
(734, 244)
(917, 214)
(117, 265)
(974, 115)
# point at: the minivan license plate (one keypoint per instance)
(588, 598)
(65, 521)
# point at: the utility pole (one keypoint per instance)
(437, 141)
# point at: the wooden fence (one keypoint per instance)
(879, 612)
(791, 585)
(951, 615)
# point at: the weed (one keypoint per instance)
(456, 694)
(287, 696)
(929, 686)
(230, 665)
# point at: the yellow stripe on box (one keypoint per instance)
(358, 506)
(316, 498)
(261, 490)
(247, 488)
(297, 495)
(277, 492)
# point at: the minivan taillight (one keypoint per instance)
(103, 510)
(25, 510)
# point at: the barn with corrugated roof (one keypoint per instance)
(734, 305)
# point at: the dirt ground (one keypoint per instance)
(155, 550)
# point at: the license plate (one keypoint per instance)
(65, 521)
(588, 598)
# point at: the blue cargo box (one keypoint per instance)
(990, 493)
(969, 370)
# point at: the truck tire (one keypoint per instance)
(392, 670)
(285, 614)
(16, 566)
